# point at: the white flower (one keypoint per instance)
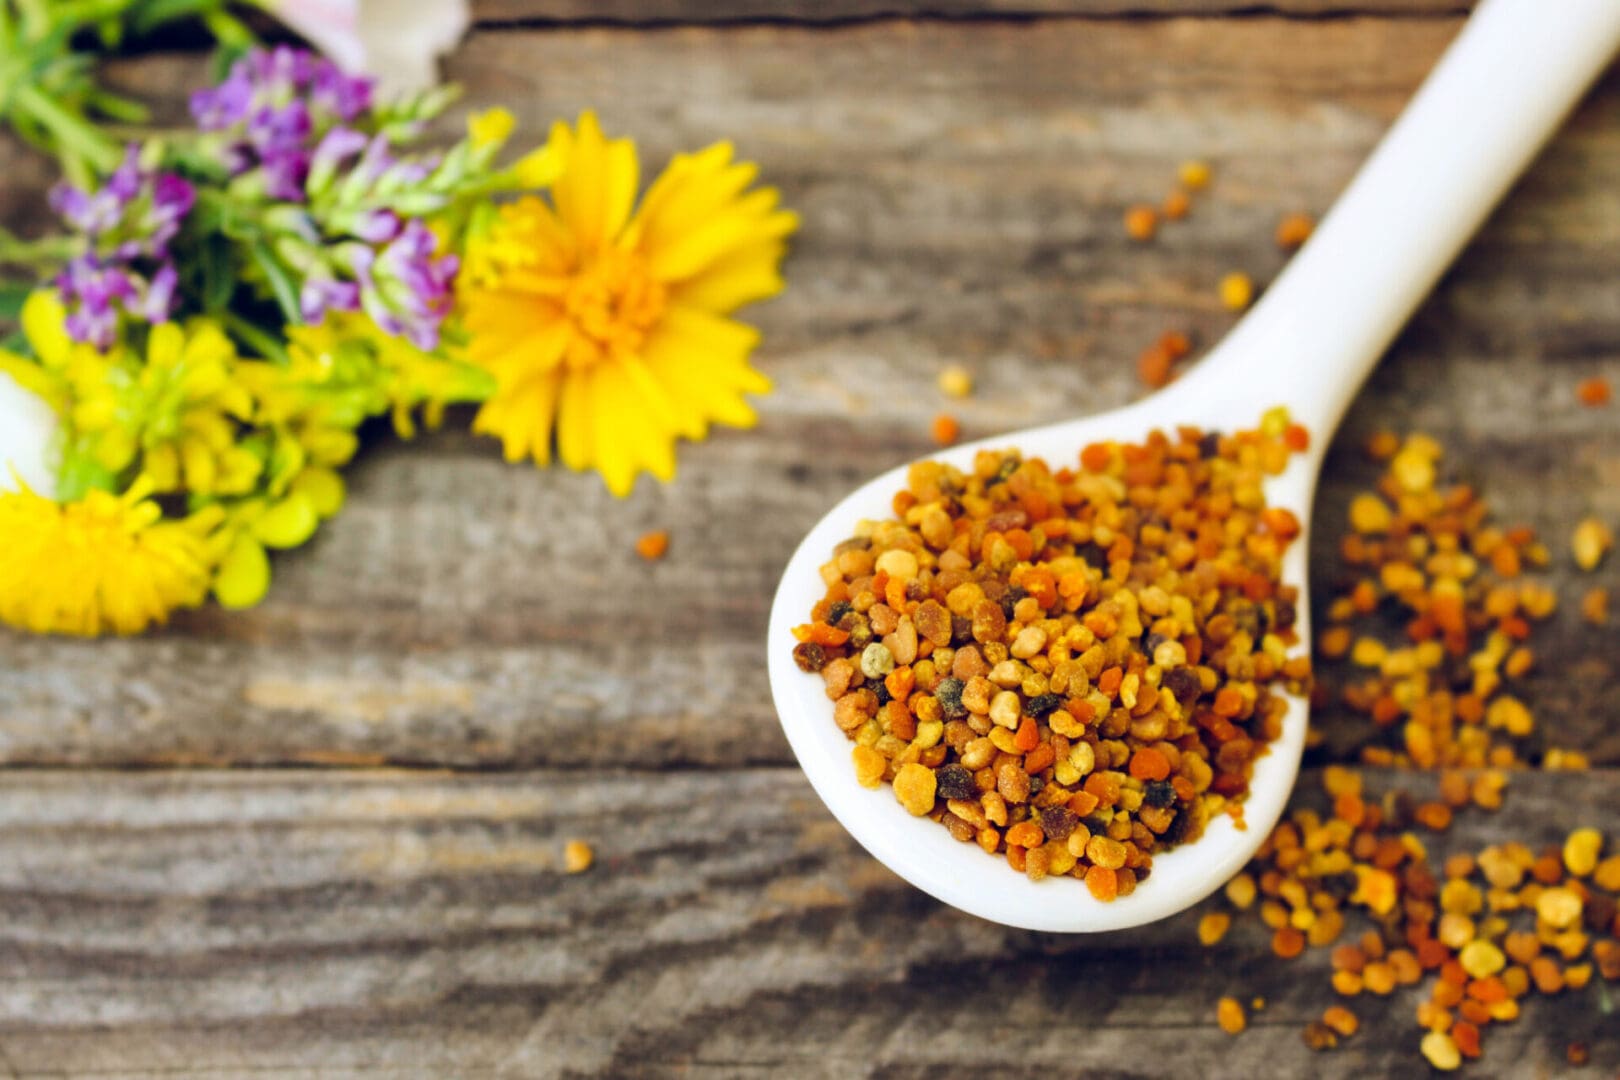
(27, 435)
(398, 42)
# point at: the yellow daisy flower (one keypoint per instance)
(102, 563)
(610, 326)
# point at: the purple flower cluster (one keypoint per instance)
(350, 223)
(272, 104)
(401, 282)
(387, 262)
(406, 290)
(127, 221)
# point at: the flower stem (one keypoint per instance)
(47, 251)
(254, 336)
(80, 144)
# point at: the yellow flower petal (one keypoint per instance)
(510, 336)
(324, 489)
(35, 379)
(244, 574)
(574, 439)
(491, 127)
(629, 418)
(597, 186)
(743, 276)
(522, 416)
(288, 523)
(162, 467)
(696, 215)
(44, 324)
(166, 345)
(106, 563)
(687, 195)
(199, 465)
(539, 167)
(701, 361)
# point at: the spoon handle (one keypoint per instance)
(1500, 90)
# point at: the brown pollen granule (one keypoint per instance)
(1086, 662)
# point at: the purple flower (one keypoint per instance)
(275, 130)
(126, 226)
(94, 213)
(95, 293)
(136, 212)
(344, 96)
(218, 107)
(125, 181)
(321, 294)
(172, 199)
(406, 289)
(332, 153)
(156, 305)
(284, 175)
(270, 108)
(377, 226)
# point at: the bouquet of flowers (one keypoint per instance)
(226, 305)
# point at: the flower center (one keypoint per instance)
(612, 302)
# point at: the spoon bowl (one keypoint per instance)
(1477, 121)
(961, 874)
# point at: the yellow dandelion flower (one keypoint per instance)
(609, 326)
(101, 563)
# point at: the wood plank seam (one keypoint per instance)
(926, 13)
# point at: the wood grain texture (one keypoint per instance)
(378, 923)
(961, 188)
(961, 183)
(659, 12)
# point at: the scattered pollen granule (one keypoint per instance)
(1141, 222)
(577, 856)
(1293, 230)
(652, 546)
(1237, 291)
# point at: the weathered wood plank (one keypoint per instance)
(657, 12)
(417, 924)
(961, 188)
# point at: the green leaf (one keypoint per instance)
(151, 14)
(81, 473)
(120, 108)
(214, 267)
(12, 295)
(280, 279)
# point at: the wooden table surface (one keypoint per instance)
(324, 837)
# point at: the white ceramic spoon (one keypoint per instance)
(1515, 70)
